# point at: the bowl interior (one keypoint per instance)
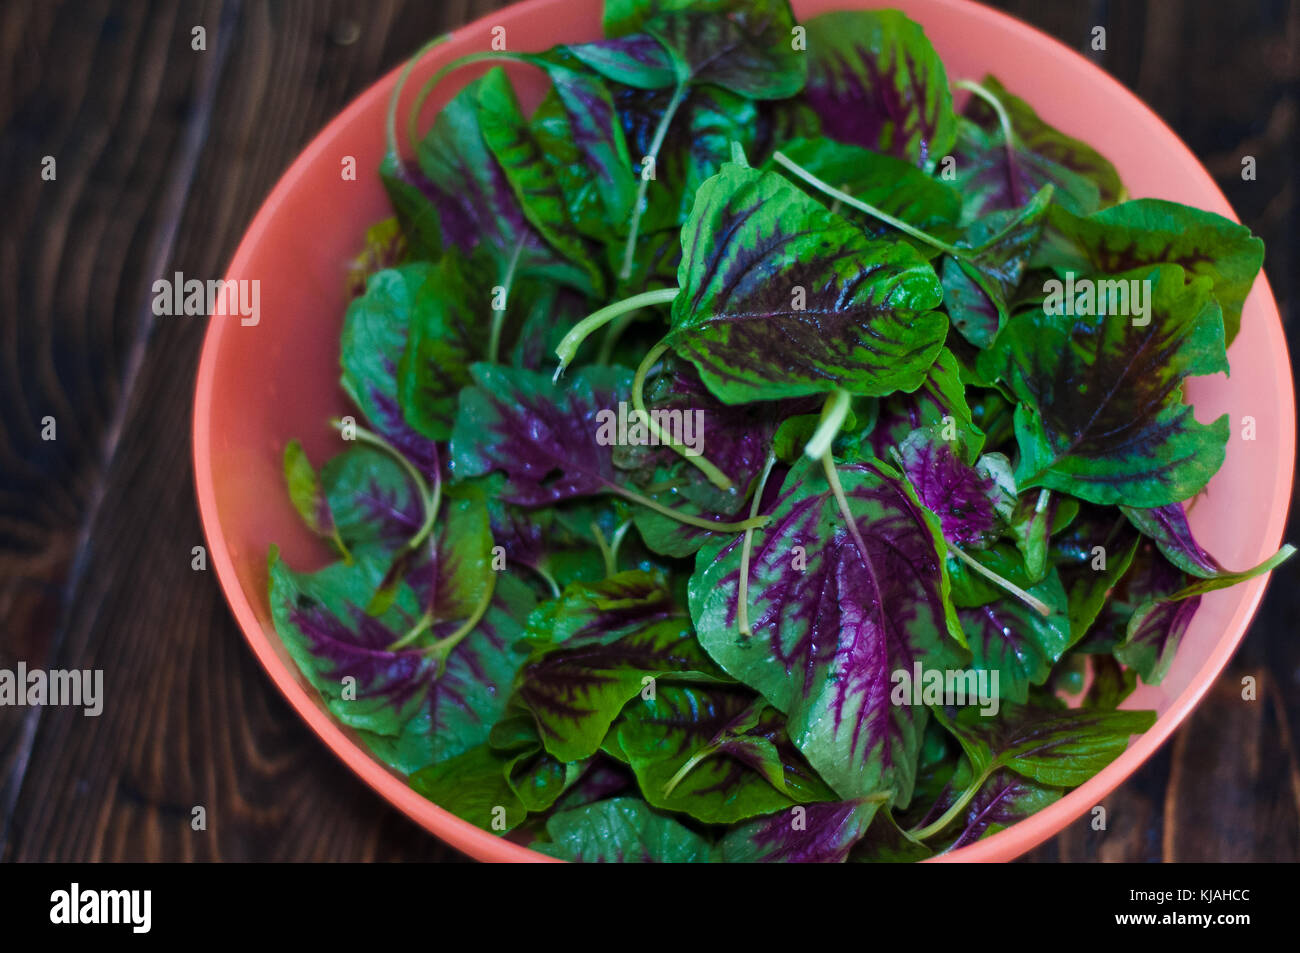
(262, 385)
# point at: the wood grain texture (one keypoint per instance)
(164, 154)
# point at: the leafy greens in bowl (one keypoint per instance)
(755, 459)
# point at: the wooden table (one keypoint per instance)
(163, 154)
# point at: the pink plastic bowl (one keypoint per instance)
(259, 386)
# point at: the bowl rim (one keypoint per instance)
(480, 844)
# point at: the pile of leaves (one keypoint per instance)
(609, 643)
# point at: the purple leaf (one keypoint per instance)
(970, 501)
(410, 711)
(940, 395)
(544, 436)
(372, 497)
(1156, 623)
(736, 437)
(1045, 151)
(472, 199)
(875, 81)
(810, 833)
(1002, 800)
(1167, 527)
(832, 620)
(637, 60)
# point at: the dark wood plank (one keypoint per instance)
(76, 251)
(191, 719)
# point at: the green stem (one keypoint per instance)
(431, 500)
(1206, 585)
(1008, 134)
(716, 476)
(952, 813)
(617, 542)
(1040, 510)
(606, 553)
(499, 316)
(413, 117)
(1044, 495)
(629, 251)
(337, 539)
(687, 518)
(445, 646)
(1036, 604)
(834, 411)
(842, 501)
(823, 186)
(413, 633)
(390, 120)
(548, 579)
(685, 769)
(742, 594)
(592, 322)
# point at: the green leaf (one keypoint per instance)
(1102, 416)
(1092, 557)
(533, 774)
(1036, 138)
(1002, 799)
(696, 143)
(473, 786)
(882, 181)
(887, 843)
(1061, 748)
(637, 60)
(742, 45)
(307, 495)
(1111, 683)
(1146, 232)
(374, 336)
(449, 331)
(971, 589)
(598, 646)
(418, 216)
(558, 546)
(372, 497)
(578, 129)
(996, 249)
(716, 753)
(385, 247)
(1009, 638)
(530, 172)
(781, 298)
(748, 51)
(475, 201)
(1037, 517)
(622, 830)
